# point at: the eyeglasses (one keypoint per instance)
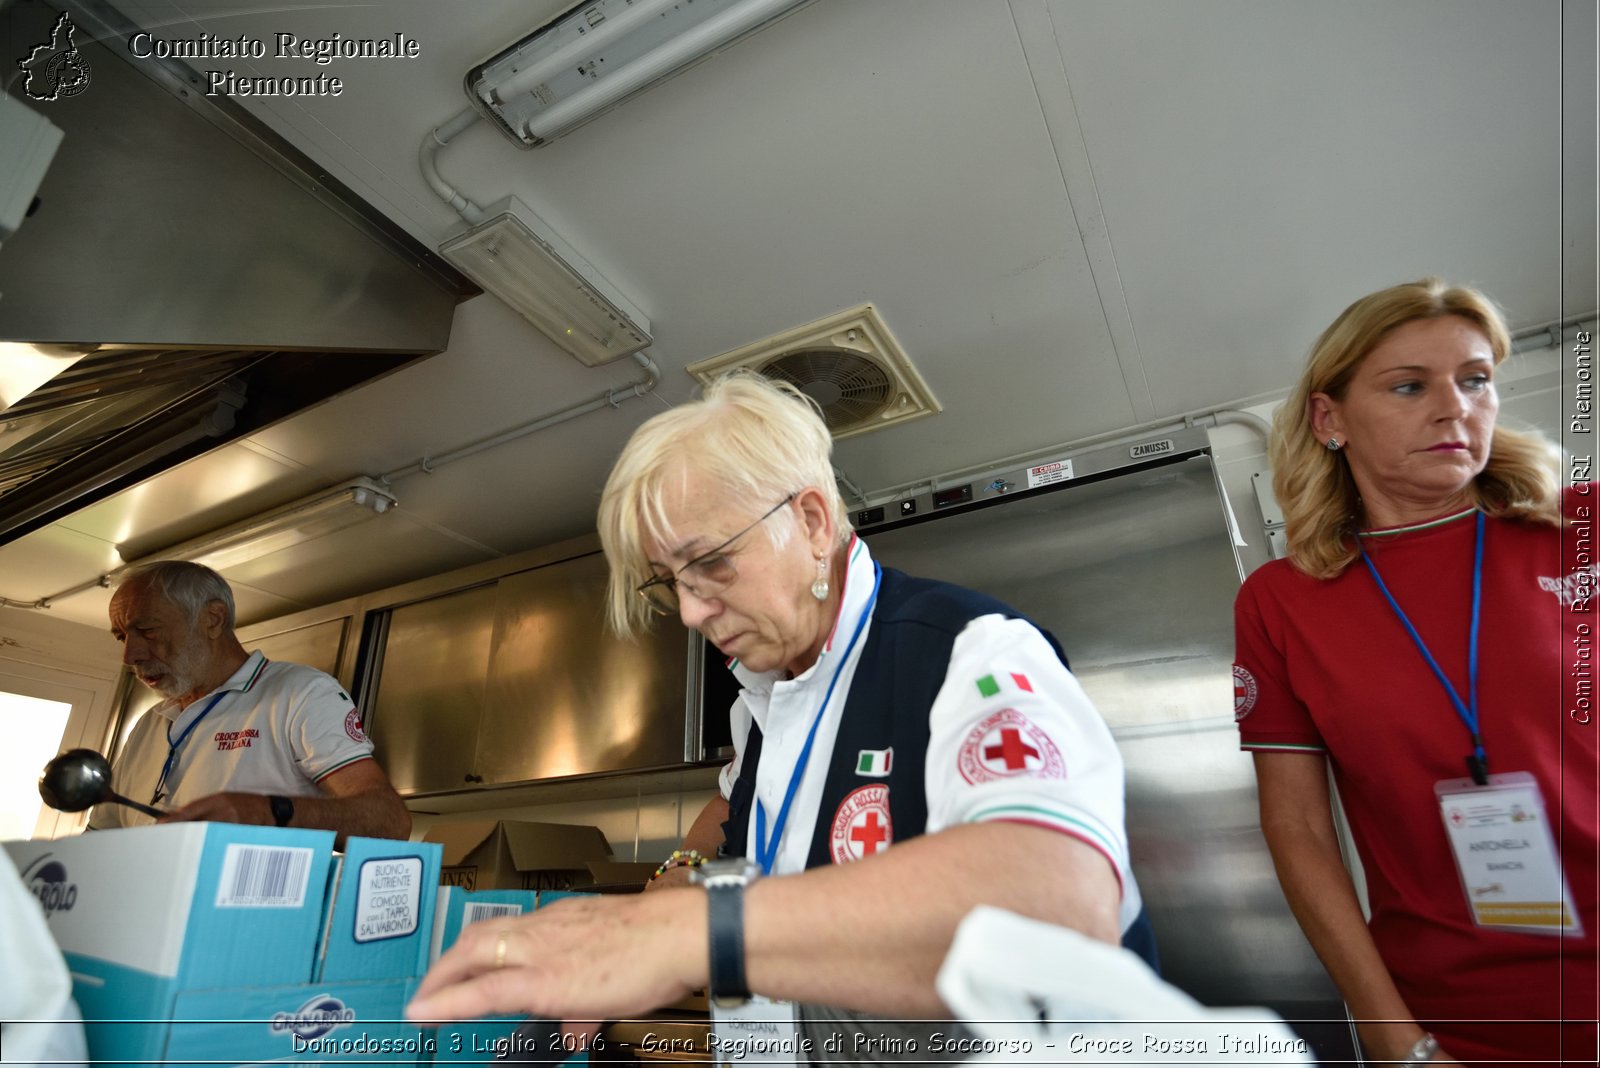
(705, 576)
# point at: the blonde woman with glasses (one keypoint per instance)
(1417, 642)
(915, 750)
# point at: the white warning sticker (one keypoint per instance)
(1049, 474)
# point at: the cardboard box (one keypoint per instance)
(143, 913)
(380, 910)
(517, 855)
(621, 874)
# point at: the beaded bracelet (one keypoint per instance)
(681, 858)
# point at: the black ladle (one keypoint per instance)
(81, 778)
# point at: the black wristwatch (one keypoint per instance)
(725, 881)
(282, 809)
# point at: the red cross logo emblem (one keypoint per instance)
(870, 834)
(1012, 749)
(1456, 817)
(861, 826)
(1008, 744)
(1244, 692)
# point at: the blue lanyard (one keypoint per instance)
(1478, 761)
(174, 746)
(766, 854)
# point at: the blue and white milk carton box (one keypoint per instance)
(380, 913)
(474, 1042)
(326, 1023)
(457, 908)
(143, 913)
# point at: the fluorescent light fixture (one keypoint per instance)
(513, 254)
(598, 55)
(291, 524)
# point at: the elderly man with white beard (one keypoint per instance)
(239, 738)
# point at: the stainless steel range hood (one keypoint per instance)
(217, 279)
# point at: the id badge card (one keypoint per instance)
(760, 1031)
(1505, 850)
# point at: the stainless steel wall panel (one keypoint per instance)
(317, 645)
(425, 712)
(564, 696)
(1136, 576)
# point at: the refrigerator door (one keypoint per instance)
(1135, 574)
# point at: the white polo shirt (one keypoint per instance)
(272, 728)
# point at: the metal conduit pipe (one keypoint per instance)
(1550, 335)
(1234, 417)
(427, 159)
(610, 398)
(848, 484)
(97, 582)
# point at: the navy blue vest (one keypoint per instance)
(901, 670)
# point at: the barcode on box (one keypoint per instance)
(264, 877)
(482, 910)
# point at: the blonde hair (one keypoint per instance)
(1318, 495)
(759, 439)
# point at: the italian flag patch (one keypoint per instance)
(874, 762)
(990, 685)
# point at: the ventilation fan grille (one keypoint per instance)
(849, 363)
(848, 387)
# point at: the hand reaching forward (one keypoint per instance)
(595, 957)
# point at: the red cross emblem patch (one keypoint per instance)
(861, 826)
(1244, 692)
(352, 726)
(1006, 745)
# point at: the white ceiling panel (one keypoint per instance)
(382, 552)
(497, 373)
(50, 560)
(542, 489)
(1274, 161)
(727, 175)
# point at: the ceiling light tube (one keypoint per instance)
(612, 29)
(678, 52)
(280, 528)
(599, 54)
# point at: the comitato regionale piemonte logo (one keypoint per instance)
(55, 69)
